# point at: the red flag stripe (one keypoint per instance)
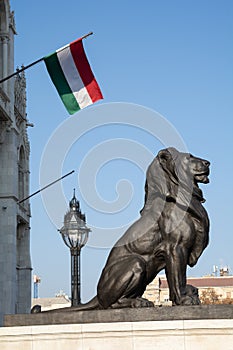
(82, 64)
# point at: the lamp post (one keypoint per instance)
(75, 235)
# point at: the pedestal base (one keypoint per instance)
(165, 313)
(149, 335)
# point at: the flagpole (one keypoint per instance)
(21, 70)
(37, 61)
(42, 189)
(86, 35)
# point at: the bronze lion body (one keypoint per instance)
(171, 234)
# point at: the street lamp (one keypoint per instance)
(75, 235)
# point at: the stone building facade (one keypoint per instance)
(158, 292)
(15, 263)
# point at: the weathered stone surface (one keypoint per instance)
(15, 262)
(201, 312)
(150, 335)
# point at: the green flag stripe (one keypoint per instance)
(60, 82)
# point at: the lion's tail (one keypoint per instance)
(93, 304)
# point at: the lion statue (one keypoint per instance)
(171, 234)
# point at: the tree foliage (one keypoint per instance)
(209, 296)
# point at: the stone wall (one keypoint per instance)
(162, 335)
(15, 277)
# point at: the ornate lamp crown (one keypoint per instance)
(74, 232)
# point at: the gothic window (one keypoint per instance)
(3, 38)
(21, 174)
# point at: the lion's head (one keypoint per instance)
(174, 176)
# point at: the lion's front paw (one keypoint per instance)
(186, 300)
(191, 297)
(141, 302)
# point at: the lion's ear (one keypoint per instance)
(166, 157)
(164, 154)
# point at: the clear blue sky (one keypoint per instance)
(172, 57)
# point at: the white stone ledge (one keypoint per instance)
(150, 335)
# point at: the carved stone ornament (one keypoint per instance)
(4, 127)
(20, 94)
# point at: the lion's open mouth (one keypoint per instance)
(203, 177)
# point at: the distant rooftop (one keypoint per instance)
(51, 303)
(208, 281)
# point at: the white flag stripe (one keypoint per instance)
(62, 48)
(73, 78)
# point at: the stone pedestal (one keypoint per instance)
(206, 327)
(165, 313)
(149, 335)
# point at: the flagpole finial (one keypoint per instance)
(86, 35)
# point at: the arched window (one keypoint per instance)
(4, 8)
(21, 174)
(4, 15)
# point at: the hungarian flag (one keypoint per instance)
(72, 76)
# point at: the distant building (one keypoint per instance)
(57, 302)
(158, 291)
(36, 281)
